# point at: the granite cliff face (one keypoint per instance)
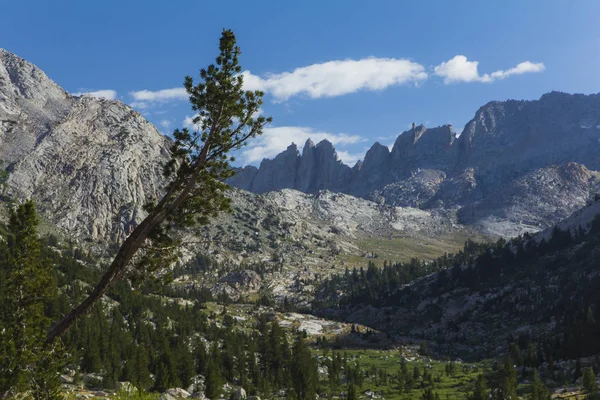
(89, 164)
(509, 147)
(317, 168)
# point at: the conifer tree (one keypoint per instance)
(27, 363)
(538, 389)
(428, 394)
(589, 381)
(185, 364)
(162, 379)
(508, 381)
(304, 371)
(481, 390)
(214, 381)
(589, 316)
(352, 395)
(200, 162)
(141, 378)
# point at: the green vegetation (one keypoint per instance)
(227, 117)
(574, 302)
(27, 287)
(589, 384)
(143, 336)
(388, 373)
(155, 343)
(401, 249)
(373, 285)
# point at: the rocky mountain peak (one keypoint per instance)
(320, 168)
(506, 144)
(325, 144)
(423, 148)
(292, 148)
(21, 79)
(309, 144)
(376, 152)
(89, 164)
(29, 103)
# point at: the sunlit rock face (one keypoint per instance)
(508, 147)
(90, 164)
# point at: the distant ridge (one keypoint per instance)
(506, 144)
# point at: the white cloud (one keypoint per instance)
(349, 158)
(460, 69)
(165, 123)
(274, 140)
(337, 78)
(329, 79)
(522, 68)
(108, 94)
(144, 99)
(188, 122)
(160, 95)
(141, 105)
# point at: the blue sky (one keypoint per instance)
(355, 72)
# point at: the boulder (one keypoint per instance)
(125, 387)
(240, 394)
(174, 394)
(197, 384)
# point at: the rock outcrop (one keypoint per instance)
(30, 103)
(317, 168)
(90, 164)
(237, 284)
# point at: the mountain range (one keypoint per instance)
(517, 166)
(90, 164)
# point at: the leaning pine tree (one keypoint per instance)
(200, 162)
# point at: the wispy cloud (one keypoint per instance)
(146, 98)
(160, 95)
(342, 77)
(103, 94)
(460, 69)
(329, 79)
(522, 68)
(276, 139)
(337, 78)
(349, 158)
(188, 122)
(165, 123)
